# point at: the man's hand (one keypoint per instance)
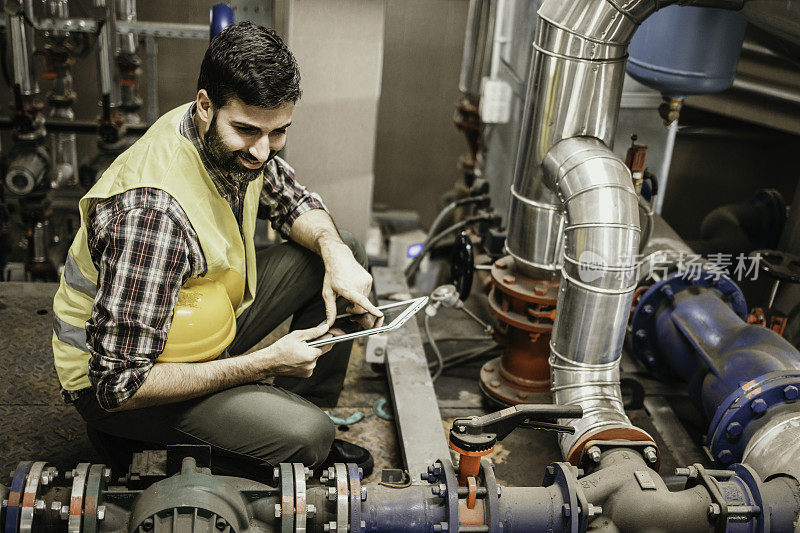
(345, 277)
(290, 355)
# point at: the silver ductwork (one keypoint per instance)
(774, 448)
(601, 240)
(573, 207)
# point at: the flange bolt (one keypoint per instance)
(758, 406)
(734, 430)
(791, 393)
(439, 490)
(594, 454)
(650, 454)
(725, 457)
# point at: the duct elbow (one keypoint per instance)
(601, 240)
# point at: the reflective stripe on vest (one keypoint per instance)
(69, 334)
(75, 278)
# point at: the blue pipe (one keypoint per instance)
(739, 373)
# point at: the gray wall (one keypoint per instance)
(331, 146)
(418, 146)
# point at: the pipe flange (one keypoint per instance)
(750, 478)
(619, 437)
(287, 497)
(14, 506)
(744, 406)
(29, 497)
(491, 502)
(354, 474)
(95, 485)
(79, 476)
(643, 324)
(574, 509)
(451, 486)
(300, 503)
(342, 499)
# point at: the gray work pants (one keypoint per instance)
(253, 427)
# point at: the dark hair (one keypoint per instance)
(252, 63)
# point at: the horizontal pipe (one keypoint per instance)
(781, 93)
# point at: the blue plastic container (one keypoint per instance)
(683, 50)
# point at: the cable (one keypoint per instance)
(412, 267)
(435, 348)
(464, 339)
(468, 355)
(483, 200)
(449, 208)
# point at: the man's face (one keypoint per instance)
(240, 138)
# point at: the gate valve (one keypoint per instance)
(474, 437)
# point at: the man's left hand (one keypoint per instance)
(345, 277)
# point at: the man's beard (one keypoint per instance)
(226, 160)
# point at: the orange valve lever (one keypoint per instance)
(474, 437)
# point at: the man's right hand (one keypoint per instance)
(290, 355)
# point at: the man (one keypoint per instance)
(163, 290)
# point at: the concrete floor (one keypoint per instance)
(38, 426)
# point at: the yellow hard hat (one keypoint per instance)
(203, 324)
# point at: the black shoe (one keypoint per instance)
(347, 452)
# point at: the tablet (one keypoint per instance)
(394, 316)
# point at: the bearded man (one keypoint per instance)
(163, 289)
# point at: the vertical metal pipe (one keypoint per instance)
(106, 58)
(669, 146)
(151, 73)
(579, 215)
(472, 60)
(126, 11)
(21, 52)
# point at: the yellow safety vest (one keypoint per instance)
(203, 323)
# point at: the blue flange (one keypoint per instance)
(574, 510)
(744, 406)
(14, 509)
(644, 325)
(749, 477)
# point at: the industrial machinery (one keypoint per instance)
(42, 175)
(568, 292)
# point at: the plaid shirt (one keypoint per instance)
(145, 248)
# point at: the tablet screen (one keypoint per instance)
(354, 323)
(348, 326)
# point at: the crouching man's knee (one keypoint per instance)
(312, 439)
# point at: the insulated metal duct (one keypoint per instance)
(573, 208)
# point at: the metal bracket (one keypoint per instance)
(721, 511)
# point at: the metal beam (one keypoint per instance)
(416, 411)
